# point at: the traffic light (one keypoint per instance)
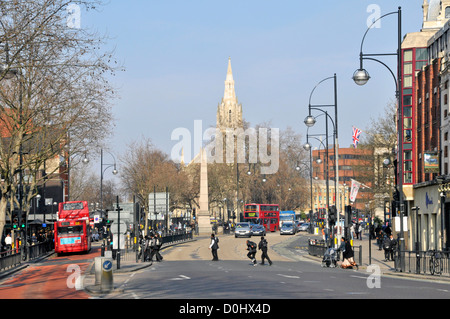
(332, 212)
(106, 220)
(15, 220)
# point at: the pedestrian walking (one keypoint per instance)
(33, 239)
(8, 243)
(251, 247)
(379, 234)
(155, 246)
(389, 244)
(146, 248)
(386, 248)
(263, 246)
(214, 246)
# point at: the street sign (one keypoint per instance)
(158, 205)
(107, 265)
(115, 228)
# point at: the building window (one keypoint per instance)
(407, 81)
(407, 111)
(407, 56)
(407, 100)
(421, 54)
(407, 122)
(407, 136)
(447, 12)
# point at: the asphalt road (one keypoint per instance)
(187, 272)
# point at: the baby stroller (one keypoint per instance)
(329, 258)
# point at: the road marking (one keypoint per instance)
(134, 295)
(362, 277)
(181, 277)
(287, 276)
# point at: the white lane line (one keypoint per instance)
(181, 277)
(287, 276)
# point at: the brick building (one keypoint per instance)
(354, 164)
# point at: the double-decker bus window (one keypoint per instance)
(67, 230)
(253, 208)
(251, 215)
(73, 206)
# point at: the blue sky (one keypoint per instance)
(176, 52)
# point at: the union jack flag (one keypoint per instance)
(356, 134)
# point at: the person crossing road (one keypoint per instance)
(263, 246)
(251, 247)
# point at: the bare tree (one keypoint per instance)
(54, 94)
(146, 168)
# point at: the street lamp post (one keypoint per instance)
(102, 171)
(361, 77)
(310, 121)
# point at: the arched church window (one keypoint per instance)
(229, 116)
(447, 12)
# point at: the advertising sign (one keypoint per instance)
(431, 162)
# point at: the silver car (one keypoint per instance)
(304, 227)
(243, 230)
(258, 230)
(287, 228)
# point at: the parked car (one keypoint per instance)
(258, 230)
(242, 230)
(287, 228)
(304, 227)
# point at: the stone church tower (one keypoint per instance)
(229, 111)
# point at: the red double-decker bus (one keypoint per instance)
(264, 214)
(72, 229)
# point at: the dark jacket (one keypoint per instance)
(348, 252)
(251, 247)
(263, 245)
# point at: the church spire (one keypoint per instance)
(230, 93)
(229, 111)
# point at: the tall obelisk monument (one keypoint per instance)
(203, 217)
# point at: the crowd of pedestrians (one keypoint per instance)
(8, 243)
(150, 247)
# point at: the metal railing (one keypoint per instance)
(10, 259)
(129, 253)
(429, 262)
(15, 257)
(318, 248)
